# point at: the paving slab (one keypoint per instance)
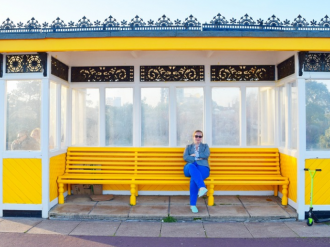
(139, 229)
(226, 230)
(54, 227)
(264, 211)
(20, 225)
(148, 211)
(79, 199)
(110, 211)
(290, 210)
(184, 200)
(258, 200)
(71, 210)
(270, 230)
(152, 200)
(186, 229)
(316, 230)
(184, 212)
(228, 212)
(96, 228)
(227, 200)
(117, 200)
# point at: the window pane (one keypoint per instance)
(294, 115)
(226, 116)
(318, 115)
(154, 116)
(85, 117)
(260, 116)
(119, 117)
(52, 115)
(23, 115)
(64, 106)
(282, 116)
(189, 113)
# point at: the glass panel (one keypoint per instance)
(294, 115)
(119, 117)
(318, 115)
(64, 106)
(52, 115)
(155, 116)
(85, 117)
(226, 116)
(260, 116)
(282, 116)
(23, 115)
(189, 113)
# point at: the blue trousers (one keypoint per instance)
(197, 174)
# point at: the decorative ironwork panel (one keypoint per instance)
(102, 74)
(43, 56)
(301, 60)
(285, 68)
(60, 69)
(24, 63)
(172, 73)
(317, 62)
(243, 73)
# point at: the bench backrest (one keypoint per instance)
(244, 161)
(169, 161)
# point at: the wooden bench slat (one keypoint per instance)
(132, 154)
(251, 159)
(99, 163)
(100, 158)
(101, 167)
(245, 155)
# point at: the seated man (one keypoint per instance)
(24, 142)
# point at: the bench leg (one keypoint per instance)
(69, 189)
(60, 193)
(211, 197)
(285, 195)
(275, 190)
(133, 197)
(137, 190)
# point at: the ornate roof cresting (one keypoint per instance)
(218, 23)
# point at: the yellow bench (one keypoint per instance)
(164, 166)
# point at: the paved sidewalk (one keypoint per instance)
(226, 208)
(198, 229)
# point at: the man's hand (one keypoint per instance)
(193, 155)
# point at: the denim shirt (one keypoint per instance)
(204, 153)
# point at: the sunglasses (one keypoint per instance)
(196, 136)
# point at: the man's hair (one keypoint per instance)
(198, 131)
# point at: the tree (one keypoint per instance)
(23, 108)
(317, 114)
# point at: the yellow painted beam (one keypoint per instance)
(165, 43)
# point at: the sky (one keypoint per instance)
(203, 10)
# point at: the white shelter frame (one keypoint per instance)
(45, 154)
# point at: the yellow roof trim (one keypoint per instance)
(165, 43)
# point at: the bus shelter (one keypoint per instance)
(245, 84)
